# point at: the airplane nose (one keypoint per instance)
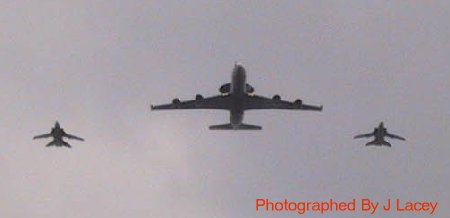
(239, 69)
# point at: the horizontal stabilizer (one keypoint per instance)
(228, 126)
(379, 143)
(386, 144)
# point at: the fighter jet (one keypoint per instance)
(58, 133)
(236, 97)
(379, 133)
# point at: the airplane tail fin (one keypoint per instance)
(67, 144)
(228, 126)
(379, 143)
(52, 143)
(374, 142)
(386, 143)
(55, 143)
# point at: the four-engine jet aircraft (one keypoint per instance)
(379, 133)
(237, 97)
(58, 133)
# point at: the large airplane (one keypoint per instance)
(236, 97)
(58, 133)
(379, 133)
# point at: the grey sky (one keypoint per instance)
(97, 65)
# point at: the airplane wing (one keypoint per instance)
(73, 137)
(42, 136)
(364, 135)
(214, 102)
(395, 136)
(260, 102)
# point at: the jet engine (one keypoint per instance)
(225, 88)
(249, 88)
(176, 101)
(198, 97)
(276, 97)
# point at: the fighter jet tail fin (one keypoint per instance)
(386, 144)
(379, 143)
(52, 143)
(228, 126)
(55, 143)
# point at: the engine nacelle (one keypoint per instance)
(176, 101)
(298, 102)
(276, 97)
(249, 88)
(198, 97)
(225, 88)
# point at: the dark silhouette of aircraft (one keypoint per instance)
(237, 97)
(58, 133)
(379, 133)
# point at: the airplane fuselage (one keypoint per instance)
(57, 134)
(237, 94)
(380, 133)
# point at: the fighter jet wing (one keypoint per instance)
(42, 136)
(260, 102)
(73, 137)
(214, 102)
(364, 135)
(395, 136)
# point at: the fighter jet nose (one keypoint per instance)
(57, 124)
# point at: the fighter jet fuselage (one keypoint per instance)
(379, 134)
(57, 134)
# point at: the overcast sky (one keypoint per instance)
(96, 66)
